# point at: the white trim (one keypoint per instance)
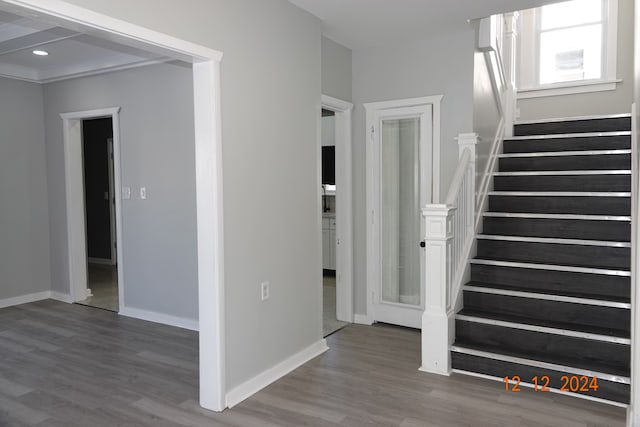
(74, 184)
(344, 206)
(38, 296)
(118, 28)
(434, 101)
(206, 74)
(362, 319)
(262, 380)
(568, 89)
(575, 119)
(164, 319)
(24, 299)
(428, 110)
(551, 389)
(62, 297)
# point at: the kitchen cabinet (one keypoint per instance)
(328, 242)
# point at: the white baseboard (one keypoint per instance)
(100, 261)
(59, 296)
(362, 319)
(257, 383)
(38, 296)
(165, 319)
(24, 299)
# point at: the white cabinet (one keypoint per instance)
(329, 243)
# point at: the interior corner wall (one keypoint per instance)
(24, 218)
(157, 152)
(336, 70)
(594, 103)
(442, 65)
(271, 92)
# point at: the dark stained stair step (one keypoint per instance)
(561, 228)
(604, 124)
(614, 142)
(621, 161)
(606, 319)
(558, 254)
(582, 353)
(607, 390)
(592, 183)
(582, 205)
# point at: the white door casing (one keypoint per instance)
(427, 110)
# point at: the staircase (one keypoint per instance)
(550, 285)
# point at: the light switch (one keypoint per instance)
(143, 193)
(126, 193)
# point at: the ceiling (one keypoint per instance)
(367, 23)
(71, 53)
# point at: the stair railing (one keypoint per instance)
(449, 232)
(450, 228)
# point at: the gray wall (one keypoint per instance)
(486, 115)
(439, 66)
(609, 102)
(157, 151)
(271, 87)
(336, 70)
(24, 226)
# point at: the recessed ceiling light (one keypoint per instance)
(40, 52)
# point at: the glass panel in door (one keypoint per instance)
(400, 211)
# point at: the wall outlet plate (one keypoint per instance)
(265, 290)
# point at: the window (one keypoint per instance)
(568, 47)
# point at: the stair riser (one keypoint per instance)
(593, 183)
(561, 282)
(576, 126)
(607, 390)
(547, 253)
(551, 348)
(576, 316)
(615, 206)
(565, 163)
(568, 144)
(619, 231)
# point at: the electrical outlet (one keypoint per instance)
(126, 193)
(265, 290)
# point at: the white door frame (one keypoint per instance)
(416, 107)
(208, 149)
(112, 200)
(344, 206)
(75, 199)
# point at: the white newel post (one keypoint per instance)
(509, 58)
(437, 324)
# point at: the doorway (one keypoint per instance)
(400, 182)
(100, 216)
(330, 322)
(336, 209)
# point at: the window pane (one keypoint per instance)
(570, 13)
(571, 54)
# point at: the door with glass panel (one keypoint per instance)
(399, 181)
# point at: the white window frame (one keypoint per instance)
(530, 58)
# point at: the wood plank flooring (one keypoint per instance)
(70, 365)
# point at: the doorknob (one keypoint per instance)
(423, 244)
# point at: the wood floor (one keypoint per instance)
(70, 365)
